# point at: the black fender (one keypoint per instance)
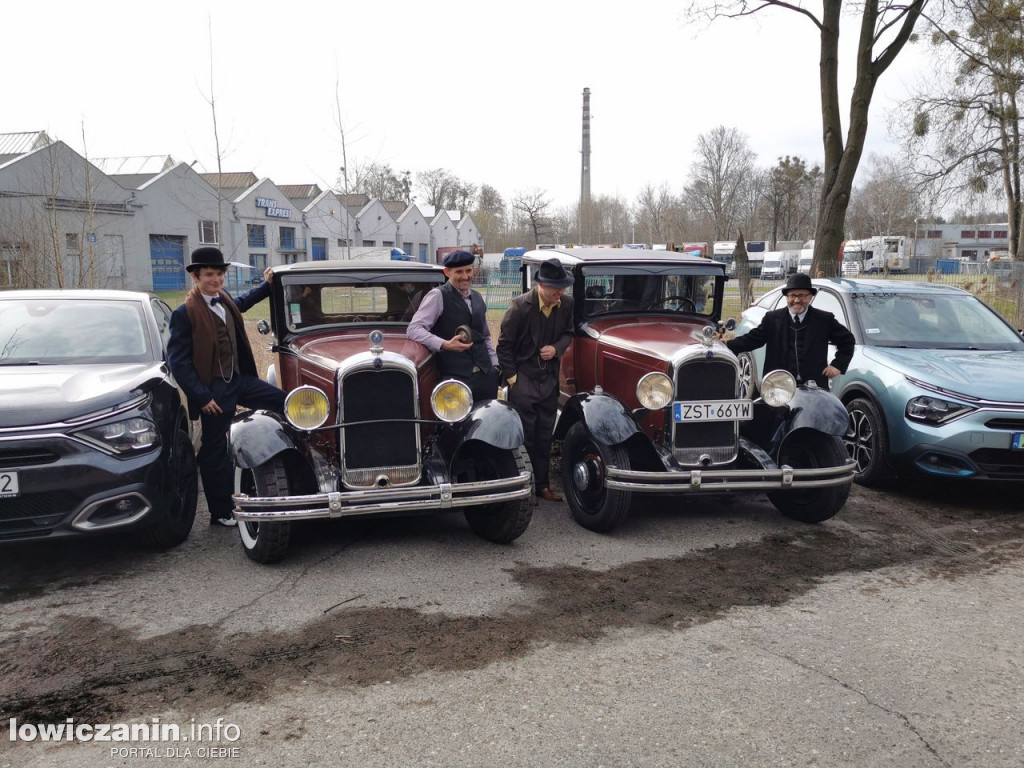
(818, 409)
(257, 437)
(492, 422)
(605, 417)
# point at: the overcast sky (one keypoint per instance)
(491, 91)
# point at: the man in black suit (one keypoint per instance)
(535, 332)
(796, 337)
(211, 360)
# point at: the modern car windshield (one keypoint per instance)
(616, 289)
(323, 301)
(72, 331)
(932, 321)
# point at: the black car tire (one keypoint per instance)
(174, 526)
(504, 522)
(867, 442)
(594, 506)
(264, 542)
(806, 449)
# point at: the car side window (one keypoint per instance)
(162, 313)
(830, 303)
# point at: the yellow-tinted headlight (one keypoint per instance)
(654, 391)
(451, 400)
(306, 408)
(778, 387)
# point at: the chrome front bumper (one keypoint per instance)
(425, 499)
(724, 480)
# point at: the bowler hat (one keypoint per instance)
(206, 256)
(457, 259)
(799, 282)
(553, 274)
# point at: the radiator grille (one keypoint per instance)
(382, 446)
(706, 380)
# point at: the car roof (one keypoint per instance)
(847, 285)
(350, 265)
(78, 294)
(570, 257)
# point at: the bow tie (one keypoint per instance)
(216, 300)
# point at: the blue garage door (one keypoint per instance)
(319, 248)
(167, 256)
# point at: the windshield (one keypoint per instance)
(321, 300)
(634, 289)
(928, 321)
(65, 331)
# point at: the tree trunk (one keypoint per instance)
(739, 256)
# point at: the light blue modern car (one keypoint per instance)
(936, 383)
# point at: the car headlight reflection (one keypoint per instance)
(451, 400)
(128, 436)
(654, 391)
(306, 408)
(934, 410)
(778, 387)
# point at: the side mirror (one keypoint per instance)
(263, 327)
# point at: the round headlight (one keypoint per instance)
(306, 408)
(778, 387)
(654, 391)
(451, 400)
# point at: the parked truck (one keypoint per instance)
(885, 253)
(779, 264)
(852, 258)
(806, 258)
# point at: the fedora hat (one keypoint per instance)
(206, 256)
(799, 282)
(553, 274)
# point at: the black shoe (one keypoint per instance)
(227, 522)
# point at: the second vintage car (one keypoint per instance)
(369, 427)
(651, 401)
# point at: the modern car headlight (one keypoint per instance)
(654, 391)
(778, 387)
(934, 410)
(307, 408)
(451, 400)
(128, 436)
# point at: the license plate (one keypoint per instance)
(1017, 443)
(713, 410)
(8, 484)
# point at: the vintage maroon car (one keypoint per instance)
(368, 428)
(651, 402)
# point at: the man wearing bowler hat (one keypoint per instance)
(452, 322)
(535, 332)
(797, 336)
(212, 362)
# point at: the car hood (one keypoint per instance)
(328, 350)
(653, 335)
(48, 394)
(981, 373)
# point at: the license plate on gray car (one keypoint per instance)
(713, 410)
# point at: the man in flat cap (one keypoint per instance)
(797, 336)
(535, 332)
(212, 362)
(441, 319)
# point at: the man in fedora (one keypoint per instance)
(535, 332)
(452, 322)
(212, 362)
(797, 336)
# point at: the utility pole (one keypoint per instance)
(585, 171)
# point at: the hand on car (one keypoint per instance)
(831, 372)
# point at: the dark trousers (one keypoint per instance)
(536, 402)
(215, 465)
(483, 384)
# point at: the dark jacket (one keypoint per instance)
(820, 329)
(454, 314)
(179, 348)
(518, 341)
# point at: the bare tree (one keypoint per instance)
(964, 130)
(444, 190)
(652, 211)
(533, 205)
(885, 28)
(887, 203)
(739, 254)
(724, 162)
(380, 181)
